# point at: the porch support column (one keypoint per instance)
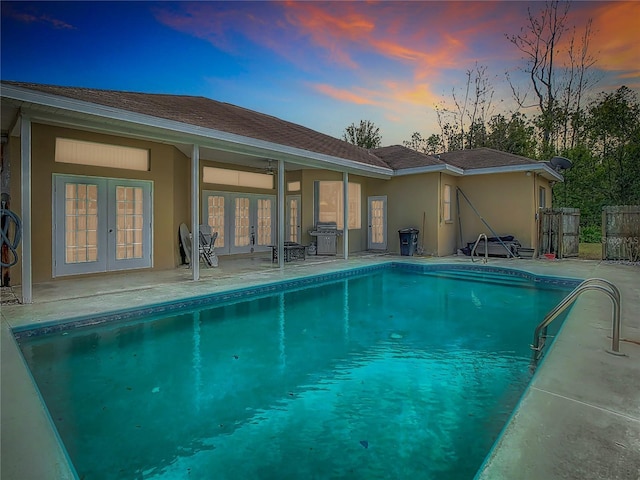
(281, 218)
(345, 206)
(195, 212)
(25, 208)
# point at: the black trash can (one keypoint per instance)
(408, 241)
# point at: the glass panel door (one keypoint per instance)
(216, 218)
(78, 219)
(293, 219)
(242, 231)
(129, 232)
(100, 224)
(245, 222)
(264, 221)
(129, 216)
(377, 223)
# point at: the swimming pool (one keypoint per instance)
(384, 372)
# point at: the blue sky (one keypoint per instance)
(324, 65)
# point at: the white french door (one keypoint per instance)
(245, 222)
(100, 224)
(293, 219)
(377, 218)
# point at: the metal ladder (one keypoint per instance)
(486, 248)
(600, 284)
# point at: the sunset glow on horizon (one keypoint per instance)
(323, 65)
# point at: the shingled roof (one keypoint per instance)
(211, 114)
(399, 157)
(483, 158)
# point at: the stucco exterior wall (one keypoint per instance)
(410, 200)
(164, 165)
(508, 202)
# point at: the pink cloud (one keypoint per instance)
(34, 17)
(386, 39)
(345, 95)
(617, 36)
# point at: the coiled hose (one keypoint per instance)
(7, 218)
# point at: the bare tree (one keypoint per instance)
(579, 80)
(539, 41)
(472, 107)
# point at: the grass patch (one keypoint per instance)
(590, 251)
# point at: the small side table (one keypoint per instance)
(292, 251)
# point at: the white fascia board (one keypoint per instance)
(204, 136)
(455, 171)
(547, 171)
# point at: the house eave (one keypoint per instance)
(450, 169)
(540, 168)
(180, 132)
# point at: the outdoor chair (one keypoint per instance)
(207, 242)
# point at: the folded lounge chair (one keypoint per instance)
(207, 242)
(206, 248)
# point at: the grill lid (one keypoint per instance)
(326, 228)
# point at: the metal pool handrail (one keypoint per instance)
(486, 248)
(590, 284)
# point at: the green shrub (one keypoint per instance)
(591, 234)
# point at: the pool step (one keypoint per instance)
(488, 277)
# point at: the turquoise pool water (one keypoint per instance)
(392, 374)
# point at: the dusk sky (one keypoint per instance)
(323, 65)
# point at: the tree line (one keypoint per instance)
(600, 135)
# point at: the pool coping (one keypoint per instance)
(517, 453)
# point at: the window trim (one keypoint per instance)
(542, 197)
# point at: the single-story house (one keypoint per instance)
(103, 179)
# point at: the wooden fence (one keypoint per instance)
(621, 233)
(559, 232)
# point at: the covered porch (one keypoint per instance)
(178, 149)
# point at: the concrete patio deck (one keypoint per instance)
(579, 419)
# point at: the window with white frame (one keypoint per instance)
(446, 203)
(543, 197)
(329, 203)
